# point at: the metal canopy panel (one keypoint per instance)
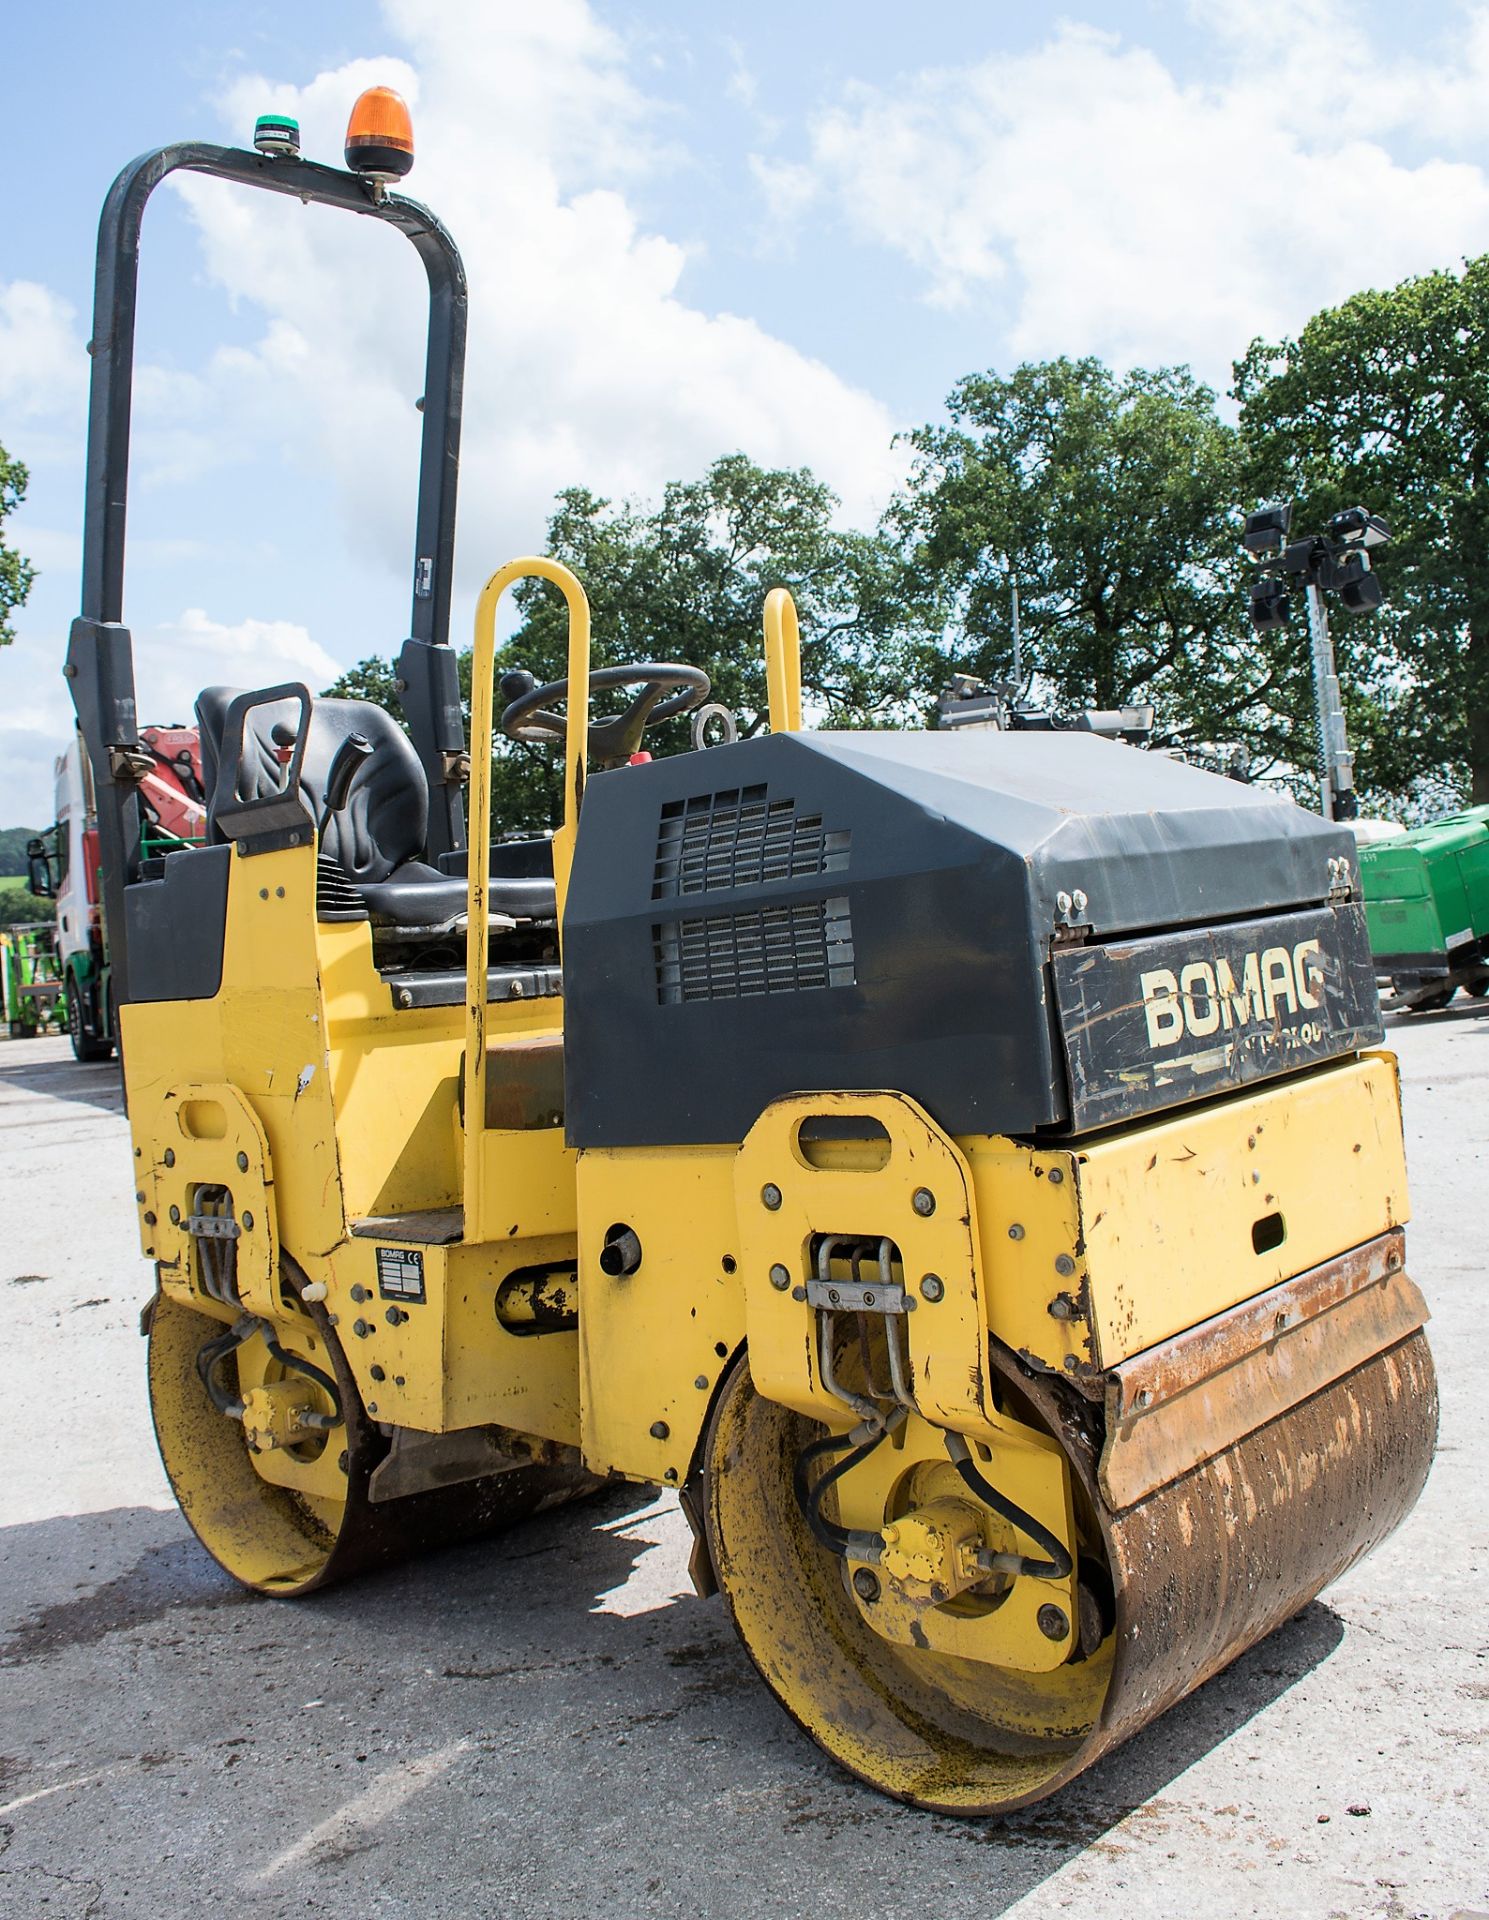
(1137, 833)
(861, 910)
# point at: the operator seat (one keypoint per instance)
(376, 838)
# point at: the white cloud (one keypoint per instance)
(789, 188)
(173, 662)
(42, 368)
(43, 374)
(741, 86)
(586, 364)
(1099, 203)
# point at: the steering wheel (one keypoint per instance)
(529, 715)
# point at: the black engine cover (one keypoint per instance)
(867, 910)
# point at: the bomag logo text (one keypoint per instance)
(1206, 998)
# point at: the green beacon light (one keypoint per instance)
(276, 135)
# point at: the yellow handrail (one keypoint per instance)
(783, 661)
(576, 747)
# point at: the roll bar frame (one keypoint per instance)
(100, 666)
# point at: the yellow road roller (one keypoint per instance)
(960, 1164)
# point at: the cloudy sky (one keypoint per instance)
(689, 229)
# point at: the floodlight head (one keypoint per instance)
(1302, 556)
(1267, 528)
(1271, 605)
(1356, 583)
(1358, 526)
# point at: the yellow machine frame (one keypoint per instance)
(341, 1133)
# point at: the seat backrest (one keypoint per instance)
(386, 815)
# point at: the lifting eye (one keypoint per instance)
(850, 1140)
(202, 1120)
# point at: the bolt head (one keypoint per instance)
(866, 1584)
(1057, 1177)
(170, 1156)
(660, 1430)
(247, 1222)
(701, 1383)
(1015, 1232)
(932, 1288)
(242, 1163)
(924, 1202)
(175, 1216)
(1053, 1623)
(780, 1279)
(770, 1196)
(938, 1592)
(1064, 1264)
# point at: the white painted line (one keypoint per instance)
(62, 1786)
(385, 1796)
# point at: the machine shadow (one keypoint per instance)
(1137, 1772)
(65, 1079)
(1464, 1010)
(89, 1599)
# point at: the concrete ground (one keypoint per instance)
(553, 1726)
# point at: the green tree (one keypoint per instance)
(372, 679)
(1384, 401)
(686, 581)
(16, 573)
(13, 844)
(1112, 502)
(18, 908)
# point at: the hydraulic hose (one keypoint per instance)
(218, 1350)
(856, 1542)
(1059, 1563)
(312, 1372)
(239, 1335)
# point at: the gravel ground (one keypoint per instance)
(553, 1726)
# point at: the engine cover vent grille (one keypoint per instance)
(793, 948)
(740, 838)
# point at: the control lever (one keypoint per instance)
(353, 751)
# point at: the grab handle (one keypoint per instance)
(783, 661)
(576, 747)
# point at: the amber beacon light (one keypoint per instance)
(380, 136)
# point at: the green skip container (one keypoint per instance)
(1427, 906)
